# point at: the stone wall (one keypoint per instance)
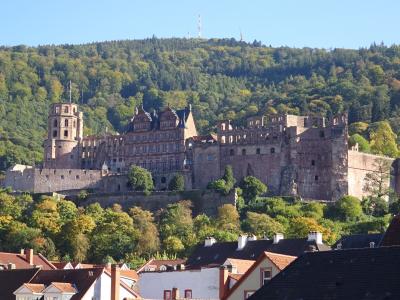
(359, 165)
(203, 201)
(49, 180)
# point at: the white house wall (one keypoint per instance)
(204, 283)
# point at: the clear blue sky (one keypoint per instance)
(312, 23)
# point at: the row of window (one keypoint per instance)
(168, 294)
(153, 137)
(244, 151)
(66, 123)
(66, 109)
(55, 133)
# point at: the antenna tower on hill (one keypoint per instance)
(199, 27)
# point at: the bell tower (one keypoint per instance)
(65, 131)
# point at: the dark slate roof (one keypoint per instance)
(11, 280)
(154, 118)
(81, 278)
(392, 234)
(358, 241)
(217, 254)
(359, 274)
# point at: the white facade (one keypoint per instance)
(203, 283)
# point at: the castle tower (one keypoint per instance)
(65, 131)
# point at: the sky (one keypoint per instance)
(294, 23)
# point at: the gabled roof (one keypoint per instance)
(20, 262)
(82, 279)
(362, 274)
(216, 254)
(11, 280)
(34, 288)
(157, 263)
(392, 234)
(358, 241)
(279, 260)
(63, 287)
(242, 265)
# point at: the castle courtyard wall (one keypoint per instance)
(359, 165)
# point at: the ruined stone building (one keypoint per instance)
(292, 155)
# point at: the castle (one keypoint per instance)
(293, 155)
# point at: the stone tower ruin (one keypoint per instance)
(65, 131)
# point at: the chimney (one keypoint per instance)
(22, 251)
(252, 238)
(372, 244)
(315, 236)
(242, 240)
(278, 237)
(11, 266)
(175, 293)
(209, 241)
(29, 256)
(115, 282)
(180, 267)
(223, 280)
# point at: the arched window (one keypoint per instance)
(55, 133)
(55, 123)
(66, 109)
(258, 151)
(243, 151)
(66, 122)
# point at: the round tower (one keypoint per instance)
(65, 131)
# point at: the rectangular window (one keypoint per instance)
(65, 133)
(188, 294)
(167, 295)
(266, 275)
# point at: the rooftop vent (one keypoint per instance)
(278, 237)
(315, 236)
(252, 238)
(209, 241)
(242, 240)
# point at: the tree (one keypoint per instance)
(177, 183)
(363, 144)
(225, 184)
(148, 240)
(348, 208)
(140, 179)
(252, 187)
(383, 140)
(376, 183)
(228, 218)
(262, 225)
(375, 206)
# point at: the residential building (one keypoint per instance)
(267, 266)
(26, 259)
(358, 241)
(155, 265)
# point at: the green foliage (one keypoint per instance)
(140, 179)
(177, 183)
(383, 139)
(347, 208)
(262, 225)
(358, 128)
(225, 184)
(363, 144)
(252, 187)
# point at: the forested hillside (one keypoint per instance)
(220, 78)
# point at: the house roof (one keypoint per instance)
(64, 287)
(11, 280)
(362, 274)
(216, 254)
(358, 241)
(392, 234)
(21, 263)
(157, 263)
(34, 287)
(281, 261)
(242, 265)
(81, 278)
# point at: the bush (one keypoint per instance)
(140, 179)
(177, 183)
(252, 187)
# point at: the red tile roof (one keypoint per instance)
(64, 287)
(242, 265)
(279, 260)
(34, 287)
(21, 263)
